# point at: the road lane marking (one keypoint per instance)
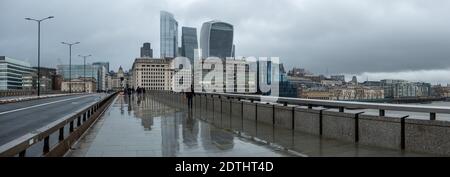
(39, 105)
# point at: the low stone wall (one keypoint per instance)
(380, 131)
(338, 125)
(265, 113)
(260, 120)
(249, 112)
(427, 136)
(284, 117)
(307, 120)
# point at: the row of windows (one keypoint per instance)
(160, 81)
(153, 84)
(153, 65)
(153, 69)
(152, 77)
(152, 73)
(154, 88)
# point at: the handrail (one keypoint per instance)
(433, 110)
(21, 144)
(382, 107)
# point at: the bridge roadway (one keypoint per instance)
(148, 125)
(17, 119)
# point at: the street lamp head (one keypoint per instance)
(27, 18)
(76, 43)
(50, 17)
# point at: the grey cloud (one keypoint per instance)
(345, 36)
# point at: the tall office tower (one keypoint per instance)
(216, 39)
(168, 35)
(188, 42)
(146, 50)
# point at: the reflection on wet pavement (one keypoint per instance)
(142, 126)
(148, 125)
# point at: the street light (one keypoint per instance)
(39, 51)
(84, 72)
(70, 63)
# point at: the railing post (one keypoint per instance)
(71, 126)
(402, 132)
(79, 121)
(357, 126)
(341, 109)
(382, 112)
(61, 134)
(22, 153)
(432, 116)
(46, 148)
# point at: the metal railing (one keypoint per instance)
(341, 105)
(9, 93)
(77, 123)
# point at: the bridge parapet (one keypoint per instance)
(336, 120)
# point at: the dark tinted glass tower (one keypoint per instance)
(146, 50)
(216, 39)
(188, 42)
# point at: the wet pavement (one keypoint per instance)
(152, 126)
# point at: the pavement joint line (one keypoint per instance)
(20, 109)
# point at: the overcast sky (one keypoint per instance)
(407, 39)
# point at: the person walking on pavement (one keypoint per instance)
(189, 96)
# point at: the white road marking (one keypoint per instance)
(20, 109)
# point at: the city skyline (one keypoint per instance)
(366, 36)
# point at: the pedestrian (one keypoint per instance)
(189, 96)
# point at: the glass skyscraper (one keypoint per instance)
(216, 39)
(168, 35)
(188, 42)
(12, 71)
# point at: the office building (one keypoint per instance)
(216, 39)
(98, 72)
(168, 35)
(403, 89)
(104, 64)
(146, 50)
(12, 72)
(188, 42)
(79, 84)
(119, 80)
(152, 73)
(237, 76)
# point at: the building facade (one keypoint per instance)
(98, 72)
(12, 72)
(104, 64)
(152, 73)
(79, 84)
(216, 39)
(168, 35)
(119, 80)
(404, 89)
(237, 76)
(188, 42)
(146, 50)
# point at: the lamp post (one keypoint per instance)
(84, 72)
(39, 51)
(70, 63)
